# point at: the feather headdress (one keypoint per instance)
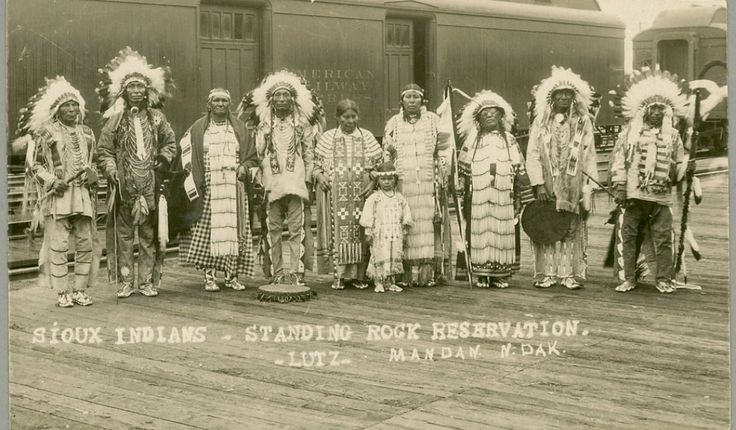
(646, 87)
(307, 106)
(467, 123)
(43, 106)
(130, 66)
(561, 79)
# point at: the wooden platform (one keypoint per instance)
(640, 360)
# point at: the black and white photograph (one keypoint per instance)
(367, 214)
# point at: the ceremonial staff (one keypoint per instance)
(449, 90)
(689, 174)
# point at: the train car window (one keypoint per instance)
(238, 26)
(673, 56)
(406, 36)
(204, 25)
(215, 18)
(227, 26)
(250, 24)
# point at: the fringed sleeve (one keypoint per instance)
(367, 217)
(680, 157)
(43, 173)
(323, 153)
(591, 158)
(310, 139)
(617, 168)
(517, 158)
(533, 157)
(373, 151)
(106, 147)
(260, 137)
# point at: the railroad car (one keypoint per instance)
(691, 42)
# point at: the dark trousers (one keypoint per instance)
(640, 215)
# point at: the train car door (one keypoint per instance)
(674, 55)
(228, 50)
(399, 61)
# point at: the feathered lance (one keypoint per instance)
(690, 173)
(449, 92)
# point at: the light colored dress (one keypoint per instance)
(384, 217)
(491, 224)
(413, 148)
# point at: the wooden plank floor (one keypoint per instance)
(638, 360)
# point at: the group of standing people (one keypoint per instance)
(382, 209)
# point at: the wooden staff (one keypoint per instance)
(458, 207)
(690, 173)
(600, 185)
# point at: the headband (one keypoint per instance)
(219, 92)
(135, 78)
(281, 86)
(412, 90)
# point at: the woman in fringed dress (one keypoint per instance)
(412, 142)
(488, 162)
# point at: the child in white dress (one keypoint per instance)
(386, 219)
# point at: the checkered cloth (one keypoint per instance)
(195, 245)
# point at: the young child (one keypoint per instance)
(386, 219)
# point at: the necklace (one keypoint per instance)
(412, 118)
(393, 193)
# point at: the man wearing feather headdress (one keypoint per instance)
(560, 160)
(288, 117)
(647, 160)
(136, 142)
(62, 166)
(412, 142)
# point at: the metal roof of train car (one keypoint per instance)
(694, 16)
(497, 8)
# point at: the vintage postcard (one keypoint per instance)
(367, 214)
